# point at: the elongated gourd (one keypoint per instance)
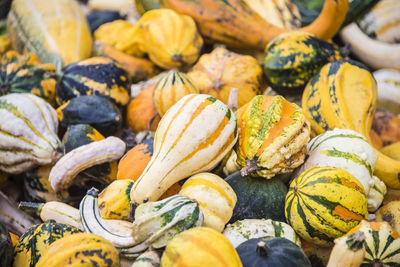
(192, 137)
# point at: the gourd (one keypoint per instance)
(257, 198)
(200, 246)
(324, 203)
(159, 40)
(35, 242)
(6, 247)
(96, 18)
(387, 127)
(143, 6)
(78, 135)
(221, 70)
(149, 258)
(59, 38)
(236, 24)
(94, 76)
(28, 136)
(390, 213)
(37, 186)
(195, 133)
(231, 166)
(273, 134)
(271, 251)
(170, 88)
(376, 194)
(388, 82)
(215, 197)
(293, 58)
(81, 249)
(243, 230)
(24, 74)
(348, 251)
(135, 160)
(141, 114)
(382, 243)
(83, 157)
(94, 110)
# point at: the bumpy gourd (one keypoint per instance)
(273, 134)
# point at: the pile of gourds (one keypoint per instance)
(200, 133)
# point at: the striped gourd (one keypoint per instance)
(94, 76)
(24, 74)
(388, 81)
(80, 250)
(170, 89)
(240, 231)
(37, 186)
(28, 134)
(291, 60)
(273, 134)
(150, 258)
(200, 246)
(78, 135)
(192, 137)
(324, 203)
(215, 197)
(33, 243)
(56, 31)
(382, 244)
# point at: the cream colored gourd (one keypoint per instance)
(28, 133)
(348, 251)
(192, 137)
(231, 165)
(388, 82)
(216, 198)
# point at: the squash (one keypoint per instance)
(376, 194)
(96, 18)
(37, 186)
(236, 24)
(382, 244)
(80, 249)
(159, 40)
(348, 251)
(219, 71)
(6, 247)
(114, 200)
(391, 195)
(94, 76)
(169, 89)
(318, 256)
(293, 58)
(94, 110)
(143, 6)
(324, 203)
(149, 258)
(34, 243)
(24, 74)
(78, 135)
(215, 197)
(387, 127)
(59, 38)
(390, 213)
(273, 134)
(243, 230)
(141, 114)
(388, 81)
(196, 133)
(135, 160)
(122, 35)
(272, 252)
(28, 135)
(258, 198)
(200, 246)
(5, 44)
(231, 165)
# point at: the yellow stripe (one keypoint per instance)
(22, 139)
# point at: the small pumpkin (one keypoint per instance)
(6, 247)
(219, 71)
(390, 213)
(200, 246)
(348, 251)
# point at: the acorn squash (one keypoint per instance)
(388, 82)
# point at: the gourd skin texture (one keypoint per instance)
(324, 203)
(390, 213)
(78, 135)
(348, 251)
(200, 246)
(149, 258)
(37, 187)
(193, 136)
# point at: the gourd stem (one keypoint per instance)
(345, 50)
(31, 207)
(4, 88)
(262, 249)
(251, 166)
(377, 263)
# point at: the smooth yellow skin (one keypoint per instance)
(114, 200)
(391, 214)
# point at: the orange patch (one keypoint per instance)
(350, 184)
(133, 163)
(345, 214)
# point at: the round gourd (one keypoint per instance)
(25, 74)
(35, 242)
(291, 60)
(216, 198)
(257, 198)
(170, 88)
(78, 135)
(6, 247)
(324, 203)
(80, 250)
(200, 246)
(272, 252)
(273, 134)
(219, 71)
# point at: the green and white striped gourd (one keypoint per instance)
(241, 231)
(388, 82)
(28, 133)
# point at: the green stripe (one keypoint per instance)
(335, 136)
(388, 242)
(22, 139)
(348, 156)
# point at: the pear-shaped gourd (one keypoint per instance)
(192, 137)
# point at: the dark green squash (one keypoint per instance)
(258, 198)
(6, 247)
(78, 135)
(96, 18)
(96, 111)
(271, 252)
(94, 76)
